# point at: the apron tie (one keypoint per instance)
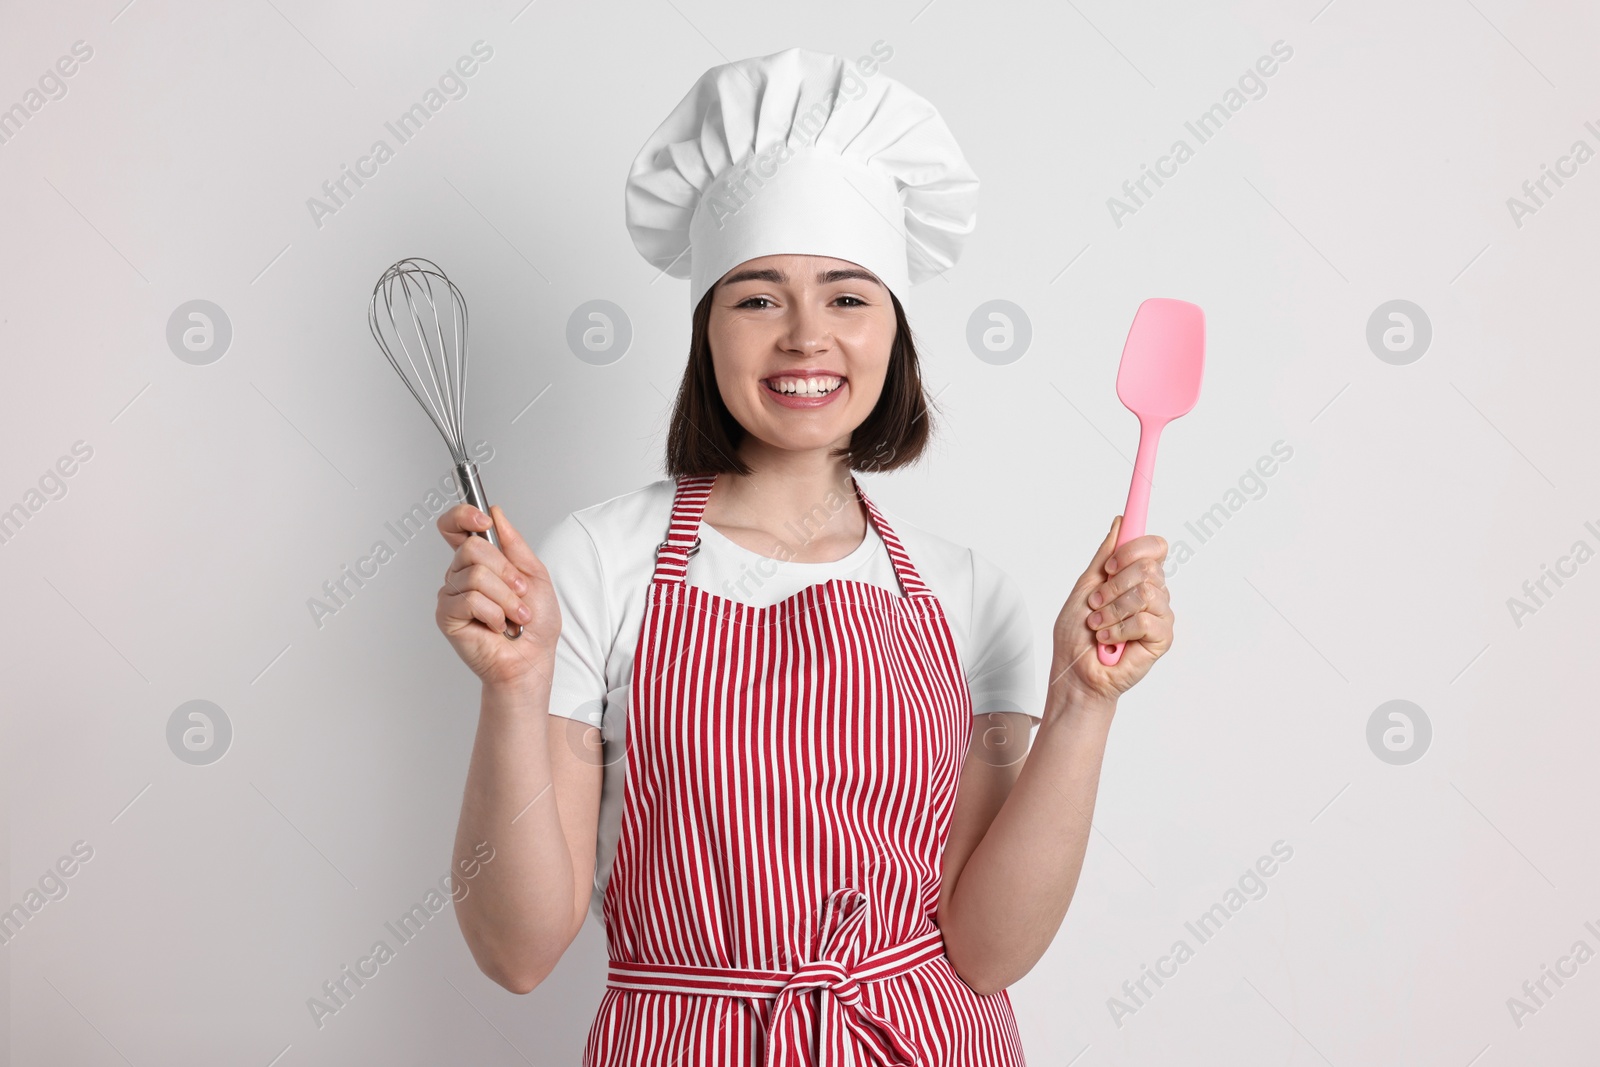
(834, 981)
(839, 996)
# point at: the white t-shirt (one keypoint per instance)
(601, 560)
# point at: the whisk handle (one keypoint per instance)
(472, 493)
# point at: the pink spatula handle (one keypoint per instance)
(1134, 514)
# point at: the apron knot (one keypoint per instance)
(840, 1008)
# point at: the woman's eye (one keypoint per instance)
(857, 301)
(749, 301)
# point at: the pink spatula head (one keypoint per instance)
(1159, 380)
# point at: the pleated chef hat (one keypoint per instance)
(799, 153)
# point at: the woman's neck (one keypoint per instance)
(796, 506)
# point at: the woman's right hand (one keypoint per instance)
(484, 588)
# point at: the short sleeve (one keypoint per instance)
(1000, 674)
(578, 687)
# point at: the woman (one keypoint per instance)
(806, 821)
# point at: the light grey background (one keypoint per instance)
(1377, 565)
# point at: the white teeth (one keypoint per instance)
(805, 386)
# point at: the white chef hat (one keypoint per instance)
(802, 153)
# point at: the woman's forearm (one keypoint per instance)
(1015, 887)
(518, 912)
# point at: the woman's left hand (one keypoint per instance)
(1121, 597)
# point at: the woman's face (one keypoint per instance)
(800, 347)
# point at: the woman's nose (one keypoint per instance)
(806, 330)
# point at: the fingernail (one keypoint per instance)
(1111, 565)
(522, 612)
(522, 585)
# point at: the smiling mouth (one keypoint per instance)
(818, 386)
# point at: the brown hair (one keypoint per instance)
(704, 435)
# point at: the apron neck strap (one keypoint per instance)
(683, 535)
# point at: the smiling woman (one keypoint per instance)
(804, 808)
(859, 371)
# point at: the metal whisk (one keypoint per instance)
(419, 313)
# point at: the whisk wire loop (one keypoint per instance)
(407, 314)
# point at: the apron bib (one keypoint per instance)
(791, 773)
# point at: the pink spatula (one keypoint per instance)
(1159, 380)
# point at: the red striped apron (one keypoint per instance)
(790, 777)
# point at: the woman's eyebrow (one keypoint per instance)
(777, 277)
(766, 274)
(845, 274)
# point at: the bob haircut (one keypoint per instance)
(703, 437)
